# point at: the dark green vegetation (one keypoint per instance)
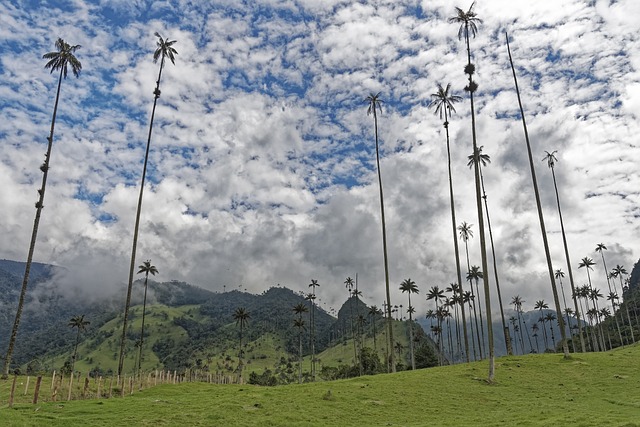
(189, 328)
(592, 389)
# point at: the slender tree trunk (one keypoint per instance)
(568, 260)
(495, 267)
(384, 246)
(482, 348)
(455, 239)
(156, 95)
(471, 306)
(413, 359)
(144, 311)
(75, 350)
(36, 222)
(564, 300)
(556, 299)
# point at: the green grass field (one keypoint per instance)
(597, 389)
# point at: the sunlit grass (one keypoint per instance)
(535, 390)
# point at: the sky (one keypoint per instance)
(262, 165)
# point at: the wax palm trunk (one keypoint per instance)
(455, 241)
(543, 230)
(136, 228)
(36, 222)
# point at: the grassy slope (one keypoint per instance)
(535, 390)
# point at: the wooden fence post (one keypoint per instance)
(53, 379)
(26, 387)
(70, 385)
(86, 387)
(37, 391)
(13, 390)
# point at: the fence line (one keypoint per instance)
(79, 387)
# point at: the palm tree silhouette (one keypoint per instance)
(541, 305)
(485, 159)
(147, 269)
(409, 286)
(543, 231)
(80, 324)
(298, 322)
(375, 105)
(443, 102)
(475, 275)
(619, 271)
(559, 274)
(468, 25)
(59, 60)
(164, 50)
(551, 160)
(314, 284)
(241, 316)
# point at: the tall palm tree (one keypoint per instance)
(541, 305)
(468, 26)
(443, 102)
(165, 50)
(314, 284)
(349, 284)
(80, 324)
(588, 263)
(475, 274)
(543, 231)
(410, 287)
(551, 160)
(456, 301)
(59, 60)
(375, 105)
(550, 317)
(517, 302)
(559, 274)
(620, 271)
(241, 316)
(600, 247)
(534, 329)
(485, 159)
(147, 269)
(466, 233)
(374, 311)
(299, 309)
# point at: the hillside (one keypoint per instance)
(187, 327)
(594, 389)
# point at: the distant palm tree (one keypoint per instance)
(58, 60)
(147, 269)
(541, 305)
(241, 316)
(165, 50)
(374, 311)
(475, 274)
(484, 160)
(349, 284)
(465, 234)
(410, 287)
(314, 284)
(299, 323)
(80, 324)
(468, 26)
(550, 317)
(517, 302)
(559, 274)
(551, 160)
(543, 230)
(619, 271)
(534, 329)
(443, 103)
(375, 102)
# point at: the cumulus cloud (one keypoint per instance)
(262, 163)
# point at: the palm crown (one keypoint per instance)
(468, 21)
(60, 59)
(550, 158)
(443, 102)
(165, 50)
